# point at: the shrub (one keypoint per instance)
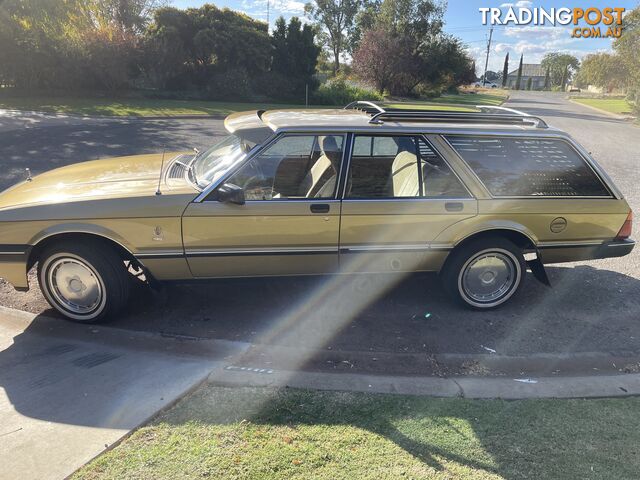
(339, 92)
(276, 86)
(232, 84)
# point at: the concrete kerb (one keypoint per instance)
(464, 387)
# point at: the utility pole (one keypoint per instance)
(486, 62)
(268, 16)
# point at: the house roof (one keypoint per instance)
(531, 70)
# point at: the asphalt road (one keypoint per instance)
(593, 306)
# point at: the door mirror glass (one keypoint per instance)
(230, 193)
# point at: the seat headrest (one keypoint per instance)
(406, 144)
(328, 144)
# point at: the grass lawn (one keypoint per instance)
(139, 107)
(297, 434)
(146, 107)
(613, 105)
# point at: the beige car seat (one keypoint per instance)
(404, 171)
(324, 171)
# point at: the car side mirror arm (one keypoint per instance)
(230, 193)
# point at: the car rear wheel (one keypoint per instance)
(85, 282)
(484, 274)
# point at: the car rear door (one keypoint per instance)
(399, 195)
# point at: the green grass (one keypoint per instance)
(295, 434)
(613, 105)
(148, 107)
(139, 107)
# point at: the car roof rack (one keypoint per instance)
(485, 114)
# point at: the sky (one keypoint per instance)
(464, 20)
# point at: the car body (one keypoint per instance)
(486, 84)
(477, 196)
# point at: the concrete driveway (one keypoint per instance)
(67, 393)
(591, 312)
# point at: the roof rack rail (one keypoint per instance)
(365, 106)
(486, 114)
(459, 117)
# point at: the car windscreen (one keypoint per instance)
(214, 162)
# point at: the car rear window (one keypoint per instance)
(523, 167)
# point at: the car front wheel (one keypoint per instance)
(85, 282)
(485, 273)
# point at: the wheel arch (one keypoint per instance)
(520, 238)
(51, 238)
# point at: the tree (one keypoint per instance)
(380, 58)
(335, 19)
(627, 48)
(603, 70)
(561, 67)
(416, 19)
(505, 70)
(204, 42)
(492, 76)
(547, 80)
(364, 21)
(519, 77)
(429, 58)
(295, 54)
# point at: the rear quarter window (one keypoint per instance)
(528, 167)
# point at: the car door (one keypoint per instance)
(399, 195)
(289, 222)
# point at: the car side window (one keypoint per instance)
(294, 167)
(528, 167)
(400, 167)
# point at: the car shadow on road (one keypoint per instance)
(586, 310)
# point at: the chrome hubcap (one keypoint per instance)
(488, 277)
(75, 286)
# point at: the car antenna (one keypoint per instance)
(158, 192)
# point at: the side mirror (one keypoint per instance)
(230, 193)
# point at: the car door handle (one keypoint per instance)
(320, 208)
(453, 206)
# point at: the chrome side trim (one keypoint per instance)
(176, 253)
(621, 244)
(394, 248)
(569, 244)
(246, 252)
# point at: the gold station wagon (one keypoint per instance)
(478, 196)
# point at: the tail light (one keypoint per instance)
(625, 231)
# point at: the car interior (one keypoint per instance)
(381, 167)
